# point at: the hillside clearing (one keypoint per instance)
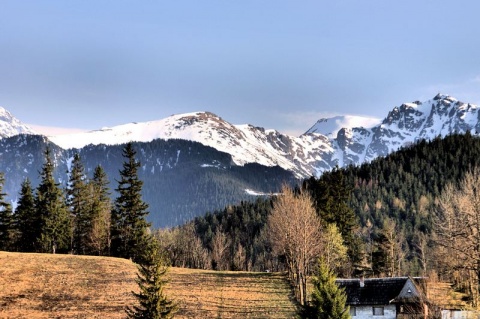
(66, 286)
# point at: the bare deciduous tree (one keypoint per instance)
(420, 243)
(393, 246)
(183, 247)
(240, 258)
(457, 226)
(295, 232)
(220, 253)
(99, 236)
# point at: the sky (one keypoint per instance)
(88, 64)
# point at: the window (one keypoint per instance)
(378, 311)
(353, 311)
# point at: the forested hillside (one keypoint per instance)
(392, 198)
(182, 179)
(397, 194)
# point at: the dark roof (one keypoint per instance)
(379, 291)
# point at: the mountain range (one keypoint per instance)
(332, 141)
(219, 163)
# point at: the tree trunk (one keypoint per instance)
(301, 288)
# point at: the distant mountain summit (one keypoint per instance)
(404, 125)
(11, 126)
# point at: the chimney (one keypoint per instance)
(362, 282)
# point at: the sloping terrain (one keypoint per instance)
(228, 294)
(66, 286)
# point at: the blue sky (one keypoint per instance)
(87, 64)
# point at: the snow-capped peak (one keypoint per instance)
(10, 126)
(174, 126)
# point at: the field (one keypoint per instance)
(66, 286)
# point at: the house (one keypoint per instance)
(390, 298)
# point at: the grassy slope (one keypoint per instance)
(65, 286)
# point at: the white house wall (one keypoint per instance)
(366, 312)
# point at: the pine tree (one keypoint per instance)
(27, 222)
(129, 227)
(328, 300)
(6, 219)
(50, 206)
(100, 213)
(154, 304)
(77, 201)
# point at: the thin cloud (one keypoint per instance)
(52, 130)
(300, 122)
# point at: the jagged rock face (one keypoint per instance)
(407, 124)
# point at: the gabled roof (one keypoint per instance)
(409, 293)
(380, 291)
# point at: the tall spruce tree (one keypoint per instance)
(130, 238)
(100, 213)
(153, 303)
(328, 299)
(78, 203)
(27, 221)
(50, 206)
(331, 194)
(6, 219)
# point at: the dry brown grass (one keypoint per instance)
(66, 286)
(212, 294)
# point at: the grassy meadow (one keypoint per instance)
(67, 286)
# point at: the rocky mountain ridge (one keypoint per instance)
(309, 154)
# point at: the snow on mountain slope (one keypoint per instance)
(415, 121)
(311, 153)
(10, 126)
(331, 126)
(246, 143)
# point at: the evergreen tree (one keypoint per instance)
(130, 236)
(50, 206)
(100, 213)
(328, 300)
(77, 201)
(331, 194)
(154, 304)
(6, 225)
(27, 222)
